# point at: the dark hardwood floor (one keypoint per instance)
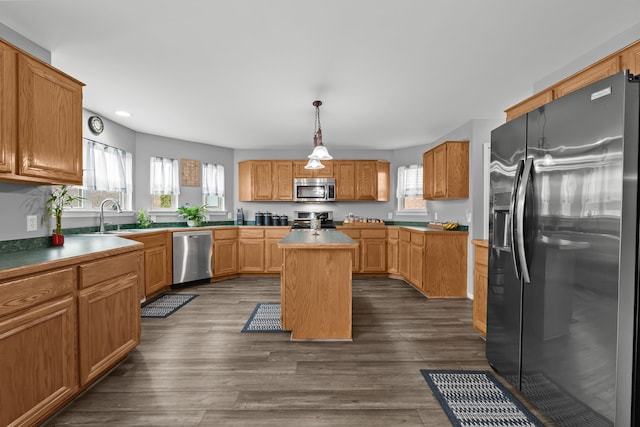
(195, 368)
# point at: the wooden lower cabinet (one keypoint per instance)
(225, 252)
(404, 253)
(273, 254)
(393, 247)
(416, 263)
(251, 250)
(373, 248)
(158, 260)
(62, 328)
(445, 264)
(38, 363)
(109, 313)
(480, 283)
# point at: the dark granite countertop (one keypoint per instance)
(74, 246)
(325, 238)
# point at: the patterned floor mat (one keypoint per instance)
(265, 318)
(166, 305)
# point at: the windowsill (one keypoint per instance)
(93, 214)
(404, 213)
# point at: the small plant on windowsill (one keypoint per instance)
(55, 205)
(195, 215)
(144, 219)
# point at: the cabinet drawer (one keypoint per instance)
(100, 271)
(276, 233)
(417, 239)
(19, 294)
(405, 236)
(225, 234)
(393, 233)
(481, 255)
(251, 233)
(373, 234)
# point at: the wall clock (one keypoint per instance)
(96, 125)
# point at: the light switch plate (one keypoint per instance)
(32, 222)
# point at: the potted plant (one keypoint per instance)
(195, 215)
(60, 198)
(144, 219)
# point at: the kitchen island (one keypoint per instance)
(315, 285)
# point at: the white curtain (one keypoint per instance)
(165, 176)
(409, 181)
(212, 180)
(106, 168)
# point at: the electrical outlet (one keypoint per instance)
(390, 215)
(154, 218)
(32, 222)
(435, 216)
(229, 215)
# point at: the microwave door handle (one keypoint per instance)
(512, 216)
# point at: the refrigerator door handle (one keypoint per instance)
(522, 195)
(512, 215)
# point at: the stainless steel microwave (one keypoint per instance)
(314, 189)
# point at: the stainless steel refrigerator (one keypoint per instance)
(562, 303)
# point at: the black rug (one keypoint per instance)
(265, 318)
(166, 305)
(477, 398)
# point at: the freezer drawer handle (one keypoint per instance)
(512, 213)
(522, 195)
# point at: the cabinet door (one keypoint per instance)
(445, 264)
(366, 176)
(404, 254)
(273, 256)
(155, 261)
(299, 171)
(392, 256)
(262, 180)
(225, 259)
(440, 171)
(480, 279)
(344, 171)
(282, 180)
(326, 171)
(374, 255)
(50, 117)
(8, 110)
(592, 74)
(427, 175)
(109, 326)
(38, 363)
(251, 255)
(630, 59)
(417, 265)
(355, 253)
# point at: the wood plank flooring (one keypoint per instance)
(195, 368)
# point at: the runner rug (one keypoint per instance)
(265, 318)
(166, 305)
(477, 398)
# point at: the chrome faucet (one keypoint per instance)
(115, 206)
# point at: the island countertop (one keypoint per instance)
(324, 239)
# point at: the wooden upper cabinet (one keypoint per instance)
(529, 104)
(265, 180)
(282, 180)
(627, 58)
(446, 171)
(366, 180)
(300, 172)
(587, 76)
(8, 110)
(630, 59)
(427, 178)
(50, 123)
(345, 172)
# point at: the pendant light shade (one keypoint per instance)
(320, 152)
(314, 164)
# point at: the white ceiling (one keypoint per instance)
(244, 73)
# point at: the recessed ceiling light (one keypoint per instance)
(123, 113)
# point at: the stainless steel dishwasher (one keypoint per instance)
(192, 253)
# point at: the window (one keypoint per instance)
(213, 186)
(107, 173)
(164, 183)
(409, 189)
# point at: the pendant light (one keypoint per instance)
(320, 152)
